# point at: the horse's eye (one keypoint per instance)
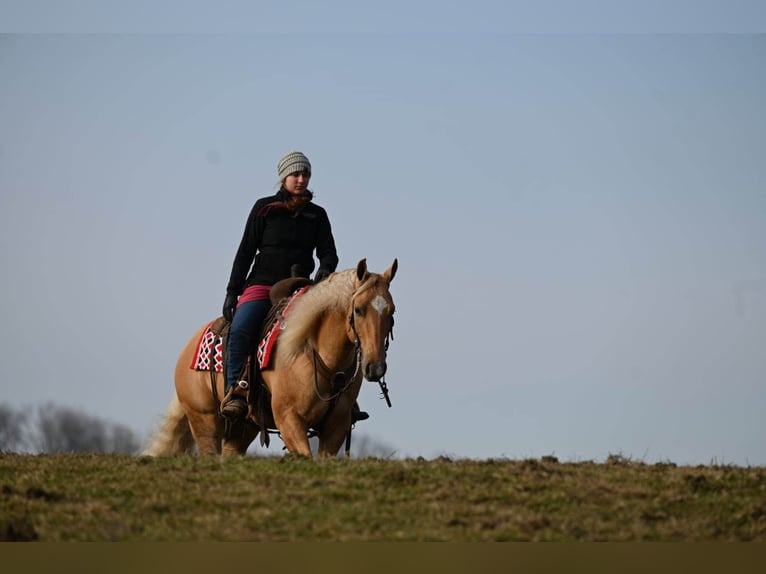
(358, 311)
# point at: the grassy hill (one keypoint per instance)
(97, 497)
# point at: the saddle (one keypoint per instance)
(258, 395)
(282, 290)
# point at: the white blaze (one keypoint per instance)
(379, 304)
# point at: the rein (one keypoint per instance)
(338, 377)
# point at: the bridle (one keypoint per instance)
(341, 380)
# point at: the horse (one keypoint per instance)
(335, 335)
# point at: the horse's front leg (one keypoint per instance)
(207, 430)
(294, 432)
(240, 436)
(335, 429)
(330, 442)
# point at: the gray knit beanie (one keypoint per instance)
(292, 162)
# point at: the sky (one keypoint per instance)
(576, 198)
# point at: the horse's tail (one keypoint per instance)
(174, 435)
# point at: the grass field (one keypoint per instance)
(76, 497)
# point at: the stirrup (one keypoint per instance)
(358, 415)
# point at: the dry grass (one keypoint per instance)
(114, 497)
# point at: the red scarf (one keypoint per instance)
(292, 204)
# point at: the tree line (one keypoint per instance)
(51, 429)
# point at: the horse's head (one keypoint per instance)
(371, 318)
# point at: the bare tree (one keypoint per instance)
(123, 440)
(61, 429)
(11, 429)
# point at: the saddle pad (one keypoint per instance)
(266, 346)
(209, 353)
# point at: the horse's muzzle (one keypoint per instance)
(374, 371)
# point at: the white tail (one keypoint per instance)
(174, 436)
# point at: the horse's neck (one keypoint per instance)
(332, 342)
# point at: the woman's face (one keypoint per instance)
(297, 182)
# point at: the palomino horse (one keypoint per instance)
(335, 335)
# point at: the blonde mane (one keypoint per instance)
(331, 295)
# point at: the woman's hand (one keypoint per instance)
(229, 305)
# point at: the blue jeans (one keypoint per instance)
(245, 328)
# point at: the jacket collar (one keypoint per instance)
(284, 195)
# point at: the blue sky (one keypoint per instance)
(578, 216)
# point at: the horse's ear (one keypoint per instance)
(389, 273)
(361, 270)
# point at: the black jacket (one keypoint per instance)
(275, 239)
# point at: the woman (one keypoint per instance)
(281, 234)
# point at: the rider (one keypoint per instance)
(281, 234)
